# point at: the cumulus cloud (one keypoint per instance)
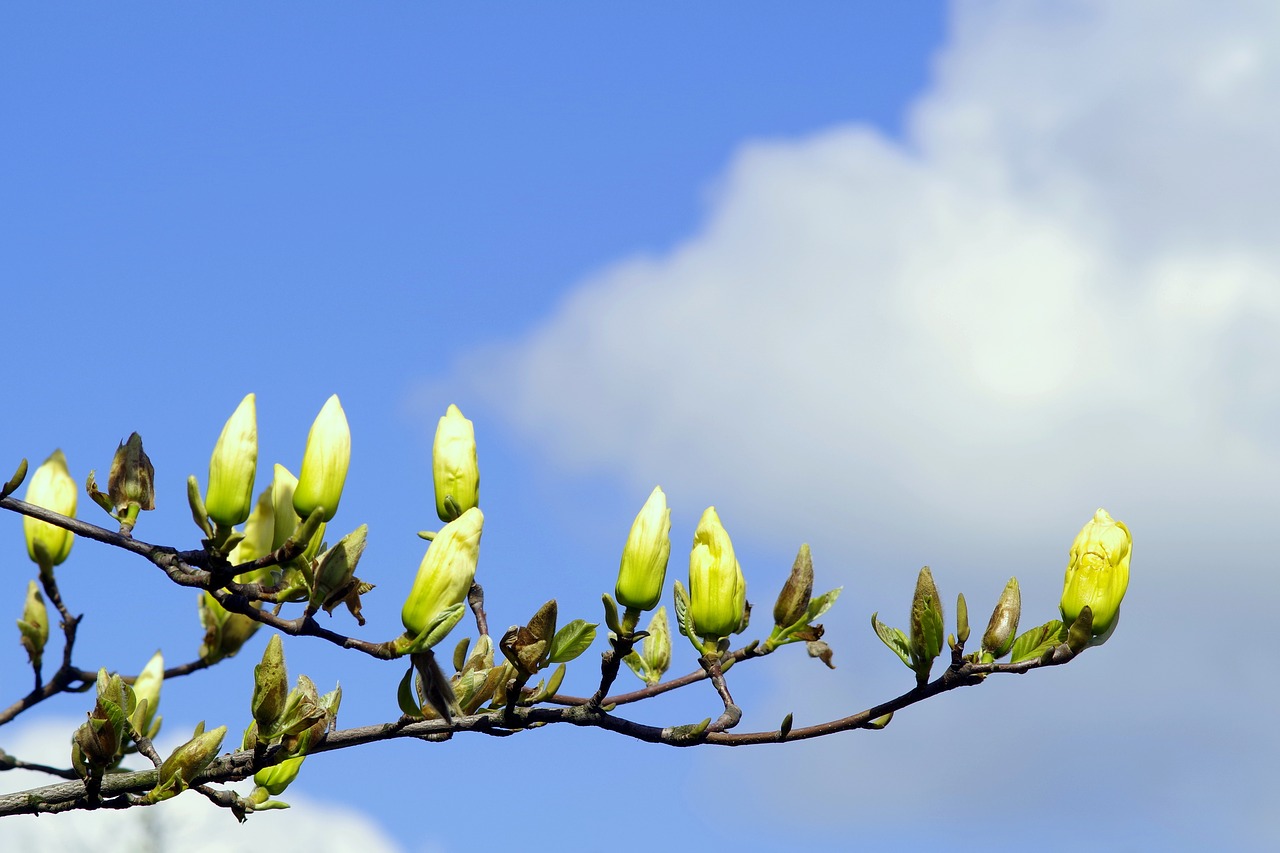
(1060, 289)
(188, 822)
(1064, 275)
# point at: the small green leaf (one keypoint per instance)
(683, 620)
(821, 605)
(460, 654)
(405, 697)
(611, 614)
(1037, 641)
(893, 638)
(572, 640)
(637, 665)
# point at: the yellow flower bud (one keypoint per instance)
(324, 463)
(147, 687)
(453, 465)
(644, 558)
(717, 590)
(446, 573)
(283, 515)
(1098, 572)
(51, 487)
(233, 465)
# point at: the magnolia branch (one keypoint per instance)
(120, 790)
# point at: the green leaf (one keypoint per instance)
(636, 664)
(460, 654)
(572, 640)
(405, 697)
(893, 638)
(1037, 641)
(611, 614)
(683, 620)
(821, 605)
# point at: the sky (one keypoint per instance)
(915, 283)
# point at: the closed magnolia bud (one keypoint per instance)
(51, 487)
(337, 566)
(656, 649)
(793, 600)
(453, 465)
(270, 685)
(258, 530)
(1003, 626)
(276, 778)
(645, 556)
(34, 624)
(132, 479)
(926, 642)
(284, 517)
(146, 689)
(324, 463)
(187, 762)
(1097, 572)
(233, 465)
(717, 590)
(446, 573)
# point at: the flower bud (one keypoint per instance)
(233, 465)
(717, 590)
(284, 517)
(258, 530)
(270, 686)
(187, 762)
(276, 778)
(337, 567)
(146, 693)
(656, 648)
(453, 465)
(1098, 572)
(644, 558)
(1003, 627)
(132, 479)
(793, 600)
(51, 487)
(446, 573)
(34, 624)
(926, 618)
(324, 463)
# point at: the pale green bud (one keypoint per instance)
(258, 530)
(926, 618)
(1003, 626)
(446, 573)
(51, 487)
(1097, 572)
(644, 558)
(656, 648)
(146, 693)
(337, 566)
(284, 516)
(187, 762)
(717, 590)
(276, 778)
(453, 465)
(233, 465)
(270, 686)
(324, 463)
(34, 624)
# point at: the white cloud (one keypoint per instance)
(188, 822)
(1066, 274)
(1060, 290)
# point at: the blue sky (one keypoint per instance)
(914, 283)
